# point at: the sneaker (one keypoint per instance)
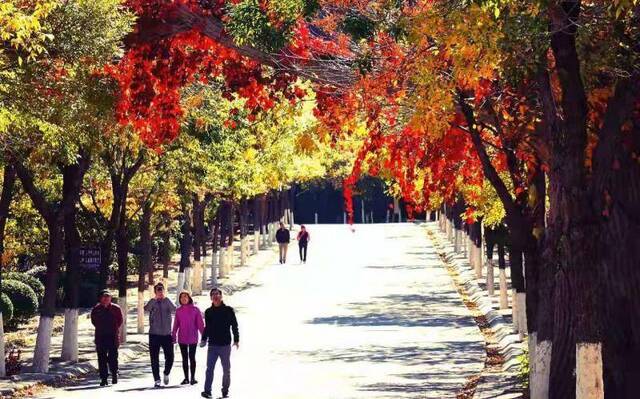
(166, 379)
(114, 380)
(206, 394)
(193, 381)
(184, 382)
(157, 384)
(104, 383)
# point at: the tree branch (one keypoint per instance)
(44, 207)
(489, 170)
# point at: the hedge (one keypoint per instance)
(38, 272)
(25, 301)
(6, 307)
(29, 280)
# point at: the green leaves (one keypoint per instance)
(263, 24)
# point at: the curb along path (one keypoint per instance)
(500, 377)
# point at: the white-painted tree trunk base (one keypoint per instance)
(514, 311)
(180, 285)
(243, 251)
(477, 262)
(122, 302)
(214, 268)
(222, 263)
(456, 241)
(504, 297)
(256, 242)
(589, 383)
(465, 245)
(205, 277)
(540, 370)
(196, 279)
(477, 256)
(263, 233)
(70, 336)
(3, 367)
(229, 261)
(532, 341)
(140, 320)
(188, 276)
(521, 299)
(42, 351)
(490, 279)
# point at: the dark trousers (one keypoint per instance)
(155, 343)
(303, 251)
(224, 353)
(188, 353)
(107, 358)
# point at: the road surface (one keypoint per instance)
(372, 314)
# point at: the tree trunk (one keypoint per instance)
(578, 313)
(215, 247)
(72, 256)
(231, 238)
(243, 231)
(224, 211)
(54, 215)
(165, 249)
(186, 244)
(8, 183)
(197, 237)
(146, 260)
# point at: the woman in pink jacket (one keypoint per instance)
(186, 324)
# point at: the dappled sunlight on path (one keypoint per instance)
(372, 314)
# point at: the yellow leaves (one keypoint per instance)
(250, 154)
(21, 27)
(305, 143)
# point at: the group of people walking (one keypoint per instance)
(215, 332)
(283, 237)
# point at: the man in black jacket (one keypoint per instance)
(220, 321)
(283, 237)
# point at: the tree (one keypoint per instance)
(58, 127)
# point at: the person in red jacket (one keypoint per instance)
(106, 317)
(303, 240)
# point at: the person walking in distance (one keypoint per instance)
(303, 240)
(186, 325)
(283, 237)
(106, 317)
(220, 321)
(160, 309)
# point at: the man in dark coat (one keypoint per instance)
(220, 321)
(283, 237)
(107, 319)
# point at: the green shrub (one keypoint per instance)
(39, 272)
(6, 307)
(29, 280)
(25, 301)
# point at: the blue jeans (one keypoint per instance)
(213, 352)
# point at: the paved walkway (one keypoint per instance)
(373, 314)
